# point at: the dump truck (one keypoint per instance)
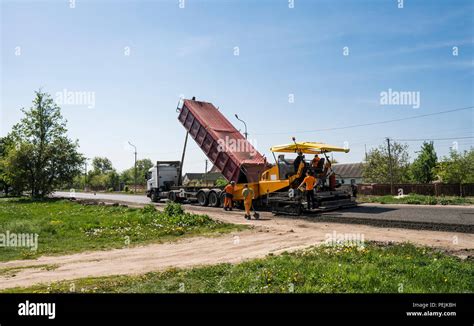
(276, 186)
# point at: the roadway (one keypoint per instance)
(443, 218)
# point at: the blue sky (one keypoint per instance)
(190, 51)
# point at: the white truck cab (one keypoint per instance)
(161, 178)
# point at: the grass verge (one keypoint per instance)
(415, 199)
(370, 269)
(67, 227)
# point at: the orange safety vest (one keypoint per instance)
(310, 181)
(315, 161)
(229, 189)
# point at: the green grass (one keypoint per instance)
(375, 268)
(11, 271)
(66, 227)
(415, 199)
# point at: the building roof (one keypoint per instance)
(348, 170)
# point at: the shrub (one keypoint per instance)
(150, 208)
(173, 209)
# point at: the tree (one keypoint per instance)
(41, 157)
(101, 165)
(103, 176)
(457, 167)
(4, 144)
(422, 169)
(128, 175)
(377, 168)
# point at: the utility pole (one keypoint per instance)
(135, 174)
(390, 166)
(205, 174)
(85, 174)
(180, 176)
(245, 125)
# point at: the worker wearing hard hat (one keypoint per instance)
(248, 195)
(229, 194)
(309, 181)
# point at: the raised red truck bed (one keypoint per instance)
(222, 143)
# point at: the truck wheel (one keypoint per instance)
(154, 197)
(221, 198)
(172, 196)
(202, 198)
(214, 199)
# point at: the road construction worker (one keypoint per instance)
(326, 170)
(309, 181)
(315, 161)
(229, 194)
(248, 195)
(297, 161)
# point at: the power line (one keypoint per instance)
(369, 123)
(423, 139)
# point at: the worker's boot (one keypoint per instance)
(225, 208)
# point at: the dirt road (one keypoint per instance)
(268, 235)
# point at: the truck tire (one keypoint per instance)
(221, 198)
(154, 196)
(172, 196)
(214, 199)
(202, 198)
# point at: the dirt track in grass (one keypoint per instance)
(268, 235)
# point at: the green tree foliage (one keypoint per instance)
(101, 165)
(103, 176)
(4, 144)
(422, 169)
(128, 175)
(41, 157)
(458, 167)
(377, 170)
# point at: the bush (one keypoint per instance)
(173, 209)
(150, 208)
(110, 190)
(432, 200)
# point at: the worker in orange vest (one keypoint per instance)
(309, 181)
(248, 195)
(315, 161)
(229, 194)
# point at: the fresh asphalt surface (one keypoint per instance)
(453, 218)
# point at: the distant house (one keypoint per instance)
(201, 179)
(348, 173)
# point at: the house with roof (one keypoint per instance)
(348, 173)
